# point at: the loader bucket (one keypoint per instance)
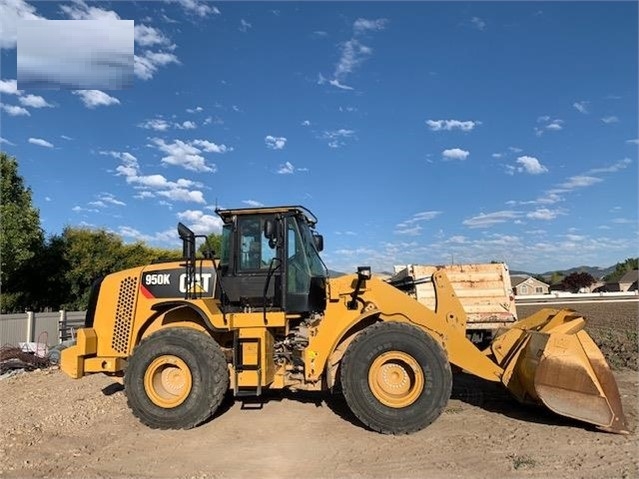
(549, 359)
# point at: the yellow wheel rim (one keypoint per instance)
(396, 379)
(168, 381)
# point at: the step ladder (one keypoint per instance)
(239, 366)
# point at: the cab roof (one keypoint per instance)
(227, 214)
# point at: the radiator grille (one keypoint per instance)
(124, 314)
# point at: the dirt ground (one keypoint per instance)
(53, 426)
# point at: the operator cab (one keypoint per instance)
(270, 259)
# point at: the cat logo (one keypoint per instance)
(202, 283)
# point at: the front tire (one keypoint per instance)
(176, 379)
(396, 378)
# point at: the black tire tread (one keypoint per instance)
(211, 360)
(351, 393)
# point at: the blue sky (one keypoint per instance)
(418, 132)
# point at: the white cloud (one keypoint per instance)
(555, 125)
(14, 110)
(148, 63)
(447, 125)
(4, 140)
(409, 231)
(173, 190)
(544, 214)
(201, 9)
(634, 141)
(11, 12)
(619, 165)
(548, 124)
(183, 194)
(81, 11)
(336, 137)
(183, 154)
(40, 142)
(275, 142)
(486, 220)
(455, 154)
(194, 110)
(425, 216)
(581, 106)
(244, 25)
(580, 181)
(156, 124)
(478, 23)
(286, 169)
(410, 227)
(162, 237)
(253, 203)
(146, 36)
(308, 123)
(79, 209)
(363, 25)
(110, 199)
(9, 87)
(95, 98)
(497, 155)
(211, 147)
(186, 125)
(34, 101)
(610, 119)
(200, 222)
(531, 165)
(353, 52)
(336, 83)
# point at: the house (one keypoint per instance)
(525, 285)
(628, 282)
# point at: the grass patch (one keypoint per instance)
(522, 462)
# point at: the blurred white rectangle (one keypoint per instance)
(75, 54)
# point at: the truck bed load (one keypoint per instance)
(484, 290)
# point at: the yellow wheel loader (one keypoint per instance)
(266, 316)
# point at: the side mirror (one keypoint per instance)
(184, 232)
(269, 229)
(319, 242)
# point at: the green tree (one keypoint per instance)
(622, 268)
(215, 243)
(89, 254)
(556, 278)
(576, 281)
(21, 236)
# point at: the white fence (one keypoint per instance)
(46, 328)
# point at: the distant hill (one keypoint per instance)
(595, 271)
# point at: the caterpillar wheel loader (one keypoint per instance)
(266, 316)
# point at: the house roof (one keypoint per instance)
(516, 280)
(630, 276)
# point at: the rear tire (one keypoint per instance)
(176, 379)
(396, 378)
